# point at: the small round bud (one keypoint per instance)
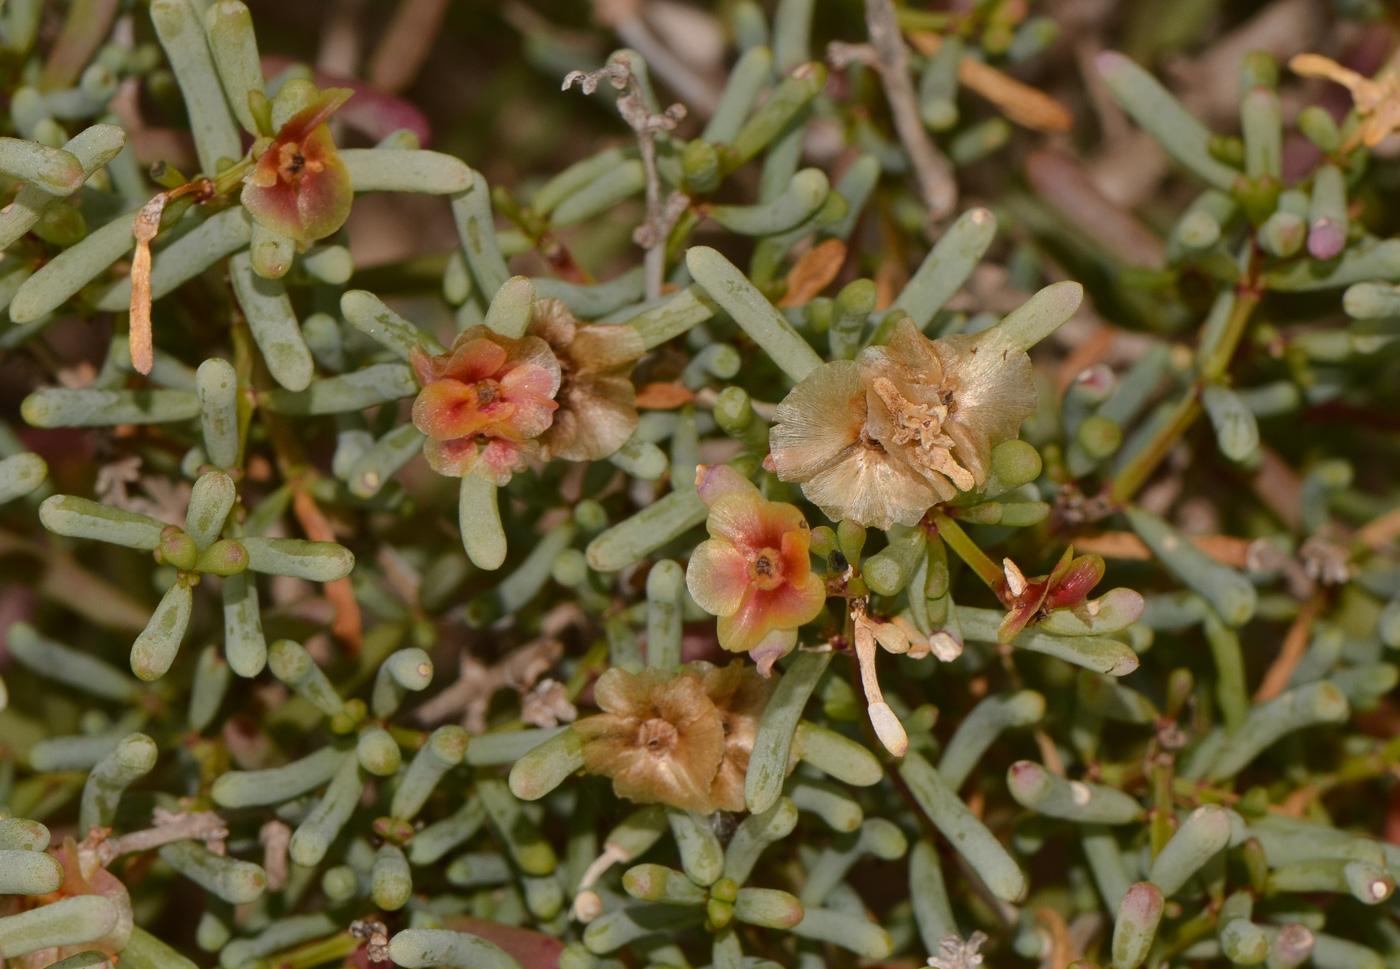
(1099, 436)
(349, 717)
(177, 549)
(587, 906)
(224, 557)
(725, 890)
(719, 913)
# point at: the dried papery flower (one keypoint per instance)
(954, 953)
(942, 405)
(821, 440)
(144, 228)
(867, 634)
(740, 694)
(661, 738)
(1377, 101)
(300, 187)
(755, 570)
(484, 402)
(83, 874)
(1030, 600)
(883, 439)
(597, 403)
(940, 643)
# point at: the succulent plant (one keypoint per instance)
(887, 443)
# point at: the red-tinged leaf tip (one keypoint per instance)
(1110, 62)
(1326, 239)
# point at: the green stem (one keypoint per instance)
(337, 948)
(593, 663)
(1218, 359)
(967, 550)
(1212, 367)
(1132, 477)
(1187, 934)
(232, 177)
(923, 20)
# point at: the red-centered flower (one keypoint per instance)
(1030, 600)
(300, 187)
(754, 572)
(484, 402)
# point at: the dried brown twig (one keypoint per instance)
(169, 826)
(275, 837)
(937, 185)
(631, 104)
(405, 44)
(470, 695)
(1021, 103)
(625, 17)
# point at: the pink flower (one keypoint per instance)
(754, 572)
(484, 402)
(300, 186)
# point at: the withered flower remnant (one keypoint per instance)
(484, 402)
(1377, 101)
(1068, 585)
(740, 694)
(83, 874)
(884, 438)
(821, 439)
(597, 402)
(300, 187)
(944, 404)
(678, 737)
(755, 571)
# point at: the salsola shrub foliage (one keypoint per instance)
(779, 599)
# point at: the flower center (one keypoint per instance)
(766, 570)
(487, 392)
(293, 165)
(657, 735)
(915, 422)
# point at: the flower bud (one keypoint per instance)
(225, 557)
(177, 549)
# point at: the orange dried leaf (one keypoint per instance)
(1226, 549)
(144, 228)
(1380, 531)
(347, 626)
(1290, 654)
(890, 278)
(1114, 545)
(663, 396)
(814, 272)
(1020, 103)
